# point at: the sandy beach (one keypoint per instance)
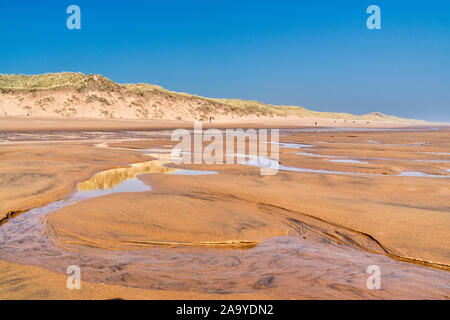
(346, 196)
(239, 158)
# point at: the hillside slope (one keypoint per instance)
(75, 95)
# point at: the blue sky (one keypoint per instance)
(317, 54)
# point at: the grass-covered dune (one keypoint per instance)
(70, 94)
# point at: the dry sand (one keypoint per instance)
(42, 124)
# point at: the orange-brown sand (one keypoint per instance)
(26, 124)
(20, 282)
(196, 226)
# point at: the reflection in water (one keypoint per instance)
(294, 145)
(113, 177)
(442, 153)
(309, 154)
(398, 144)
(347, 161)
(129, 185)
(264, 162)
(420, 174)
(185, 172)
(166, 158)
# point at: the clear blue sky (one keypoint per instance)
(318, 54)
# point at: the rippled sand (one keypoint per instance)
(292, 235)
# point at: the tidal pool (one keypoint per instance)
(185, 172)
(264, 162)
(398, 144)
(442, 153)
(111, 178)
(347, 160)
(308, 154)
(420, 174)
(295, 145)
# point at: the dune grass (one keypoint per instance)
(205, 106)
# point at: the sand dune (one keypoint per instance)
(75, 95)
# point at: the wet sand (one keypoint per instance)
(289, 236)
(34, 283)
